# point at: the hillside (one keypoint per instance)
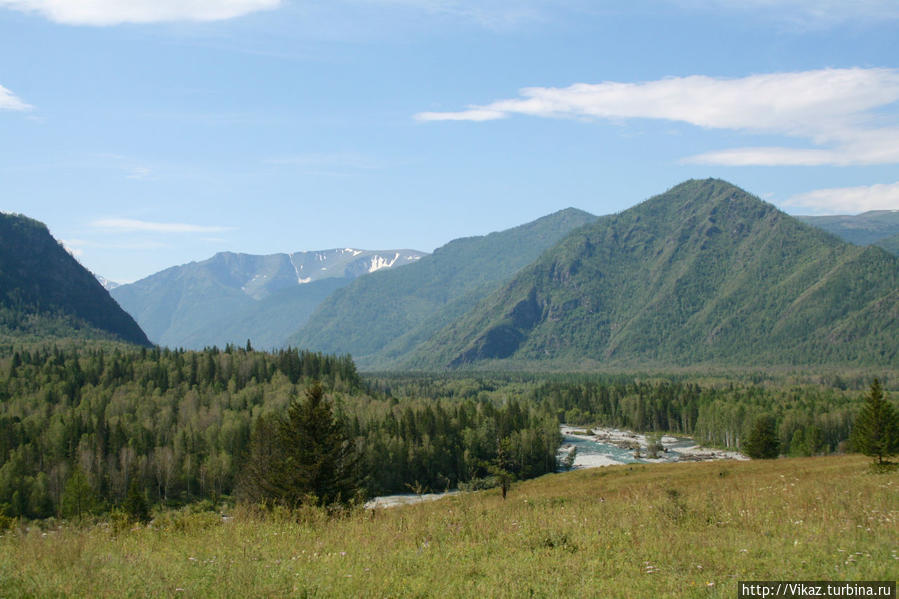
(231, 297)
(702, 274)
(660, 530)
(890, 244)
(45, 293)
(867, 228)
(380, 318)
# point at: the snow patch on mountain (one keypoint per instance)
(379, 262)
(107, 284)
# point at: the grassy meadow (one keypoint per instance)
(655, 530)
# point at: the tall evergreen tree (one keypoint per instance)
(875, 431)
(135, 504)
(305, 457)
(762, 442)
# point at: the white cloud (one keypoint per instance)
(76, 246)
(809, 13)
(494, 14)
(114, 12)
(127, 225)
(9, 101)
(830, 107)
(842, 200)
(74, 251)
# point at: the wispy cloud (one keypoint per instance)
(493, 14)
(807, 13)
(75, 251)
(127, 225)
(77, 247)
(115, 12)
(833, 108)
(843, 200)
(9, 101)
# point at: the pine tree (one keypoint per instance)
(502, 465)
(875, 431)
(305, 457)
(135, 504)
(762, 442)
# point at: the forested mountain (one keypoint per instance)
(380, 318)
(890, 244)
(45, 293)
(702, 274)
(231, 297)
(873, 227)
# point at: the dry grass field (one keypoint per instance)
(662, 530)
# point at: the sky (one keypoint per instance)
(151, 133)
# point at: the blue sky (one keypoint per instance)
(149, 133)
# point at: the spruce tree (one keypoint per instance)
(135, 504)
(305, 457)
(875, 431)
(762, 442)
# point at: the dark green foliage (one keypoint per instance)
(179, 424)
(303, 457)
(503, 465)
(441, 444)
(703, 274)
(135, 504)
(231, 297)
(762, 443)
(875, 431)
(78, 498)
(381, 317)
(45, 293)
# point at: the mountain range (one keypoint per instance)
(45, 293)
(702, 274)
(875, 227)
(381, 318)
(232, 298)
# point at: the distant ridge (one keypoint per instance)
(45, 293)
(890, 244)
(233, 297)
(382, 317)
(878, 227)
(702, 274)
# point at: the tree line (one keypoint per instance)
(80, 429)
(91, 428)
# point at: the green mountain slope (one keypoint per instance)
(890, 244)
(704, 273)
(45, 293)
(232, 297)
(380, 318)
(861, 229)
